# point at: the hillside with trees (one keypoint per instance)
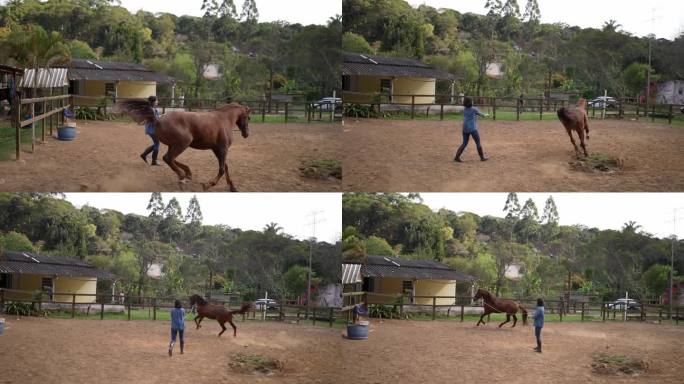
(534, 56)
(252, 58)
(601, 262)
(241, 261)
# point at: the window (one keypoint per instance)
(5, 280)
(346, 83)
(368, 284)
(46, 286)
(386, 88)
(407, 286)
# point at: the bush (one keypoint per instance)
(20, 309)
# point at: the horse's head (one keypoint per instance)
(196, 300)
(243, 121)
(481, 294)
(582, 103)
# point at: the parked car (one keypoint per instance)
(268, 303)
(599, 101)
(328, 103)
(620, 304)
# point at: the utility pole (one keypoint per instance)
(672, 252)
(313, 223)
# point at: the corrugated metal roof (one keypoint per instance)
(114, 70)
(371, 65)
(32, 263)
(47, 78)
(351, 274)
(383, 266)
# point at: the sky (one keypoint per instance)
(292, 211)
(653, 211)
(304, 12)
(634, 15)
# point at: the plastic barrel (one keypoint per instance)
(66, 133)
(357, 332)
(2, 325)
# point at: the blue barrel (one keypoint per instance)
(357, 332)
(28, 117)
(66, 133)
(2, 325)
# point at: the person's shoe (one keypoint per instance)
(144, 157)
(480, 151)
(154, 162)
(457, 158)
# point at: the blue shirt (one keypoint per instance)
(149, 126)
(470, 119)
(178, 318)
(538, 317)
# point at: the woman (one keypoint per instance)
(538, 323)
(149, 130)
(470, 115)
(177, 326)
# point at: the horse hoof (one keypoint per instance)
(205, 187)
(233, 189)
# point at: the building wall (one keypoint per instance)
(133, 89)
(414, 86)
(32, 283)
(393, 286)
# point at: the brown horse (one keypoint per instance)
(198, 130)
(575, 119)
(493, 304)
(216, 312)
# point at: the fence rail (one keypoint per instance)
(50, 111)
(376, 102)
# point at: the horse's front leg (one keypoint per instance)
(515, 320)
(508, 318)
(482, 319)
(220, 154)
(198, 322)
(170, 159)
(574, 144)
(231, 186)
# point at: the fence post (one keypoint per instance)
(541, 109)
(669, 116)
(73, 305)
(434, 306)
(40, 305)
(582, 311)
(313, 316)
(517, 111)
(154, 308)
(33, 127)
(441, 111)
(102, 308)
(129, 308)
(462, 311)
(331, 317)
(641, 307)
(653, 113)
(494, 108)
(677, 316)
(413, 106)
(560, 312)
(286, 110)
(307, 109)
(603, 311)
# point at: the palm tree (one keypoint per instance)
(272, 228)
(611, 26)
(630, 226)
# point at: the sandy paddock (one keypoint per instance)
(113, 351)
(453, 352)
(386, 155)
(105, 157)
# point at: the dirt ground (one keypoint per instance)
(451, 352)
(112, 351)
(525, 156)
(105, 157)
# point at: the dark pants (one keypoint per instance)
(466, 138)
(155, 142)
(173, 338)
(537, 334)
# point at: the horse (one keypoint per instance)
(216, 312)
(198, 130)
(575, 119)
(492, 304)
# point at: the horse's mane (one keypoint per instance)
(582, 103)
(229, 106)
(200, 300)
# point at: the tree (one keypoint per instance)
(378, 246)
(224, 8)
(81, 50)
(272, 228)
(529, 210)
(249, 11)
(193, 214)
(532, 13)
(156, 205)
(173, 209)
(656, 279)
(550, 215)
(353, 43)
(295, 280)
(14, 241)
(635, 76)
(512, 207)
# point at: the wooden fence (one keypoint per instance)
(621, 109)
(41, 305)
(582, 311)
(52, 108)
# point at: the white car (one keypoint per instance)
(327, 103)
(620, 304)
(268, 303)
(599, 101)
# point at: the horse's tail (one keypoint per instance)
(140, 110)
(564, 115)
(524, 313)
(243, 309)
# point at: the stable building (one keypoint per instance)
(95, 80)
(392, 80)
(386, 278)
(24, 274)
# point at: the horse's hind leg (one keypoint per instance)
(481, 320)
(220, 154)
(224, 328)
(583, 142)
(234, 327)
(170, 157)
(198, 322)
(185, 168)
(574, 144)
(508, 318)
(515, 320)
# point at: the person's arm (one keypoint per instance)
(480, 113)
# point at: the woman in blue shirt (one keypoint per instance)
(470, 115)
(177, 326)
(149, 130)
(538, 323)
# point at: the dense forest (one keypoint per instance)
(240, 261)
(533, 55)
(601, 262)
(252, 58)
